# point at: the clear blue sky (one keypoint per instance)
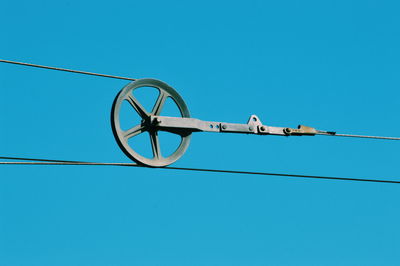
(333, 65)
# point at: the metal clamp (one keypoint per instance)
(300, 131)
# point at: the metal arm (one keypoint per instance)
(181, 125)
(184, 126)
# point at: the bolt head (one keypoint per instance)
(262, 128)
(251, 128)
(223, 126)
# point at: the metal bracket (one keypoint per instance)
(300, 131)
(253, 126)
(152, 122)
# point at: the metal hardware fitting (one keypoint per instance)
(175, 124)
(300, 131)
(183, 126)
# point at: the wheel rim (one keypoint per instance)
(122, 136)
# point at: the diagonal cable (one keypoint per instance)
(65, 70)
(31, 161)
(334, 134)
(132, 79)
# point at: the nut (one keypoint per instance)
(288, 130)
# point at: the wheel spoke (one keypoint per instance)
(159, 103)
(136, 130)
(155, 144)
(137, 106)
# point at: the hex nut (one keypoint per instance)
(288, 130)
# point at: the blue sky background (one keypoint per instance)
(333, 65)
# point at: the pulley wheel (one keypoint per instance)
(146, 126)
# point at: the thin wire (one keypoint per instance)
(62, 162)
(65, 70)
(358, 136)
(132, 79)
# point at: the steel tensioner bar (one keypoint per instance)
(253, 126)
(153, 122)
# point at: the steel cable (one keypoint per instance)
(65, 70)
(132, 79)
(358, 136)
(31, 161)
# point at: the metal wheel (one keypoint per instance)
(146, 125)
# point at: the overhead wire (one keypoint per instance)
(133, 79)
(33, 161)
(357, 136)
(65, 70)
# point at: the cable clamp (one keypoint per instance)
(300, 131)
